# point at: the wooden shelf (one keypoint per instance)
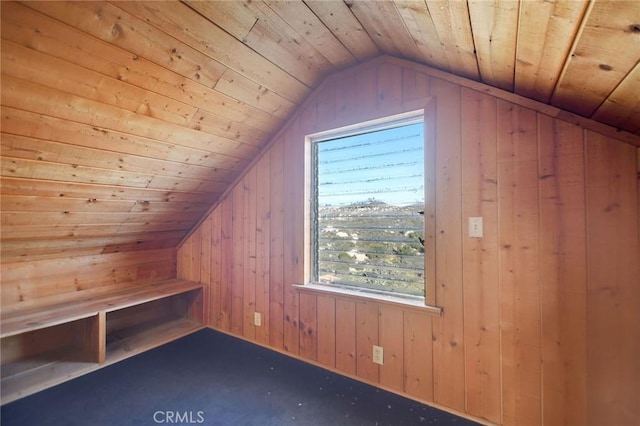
(49, 346)
(148, 337)
(41, 375)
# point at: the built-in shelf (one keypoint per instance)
(45, 347)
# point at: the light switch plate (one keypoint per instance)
(378, 355)
(475, 227)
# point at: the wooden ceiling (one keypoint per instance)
(123, 122)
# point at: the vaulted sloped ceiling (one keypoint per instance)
(122, 122)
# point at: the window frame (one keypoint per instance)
(427, 117)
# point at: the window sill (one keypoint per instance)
(371, 297)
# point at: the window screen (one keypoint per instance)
(368, 200)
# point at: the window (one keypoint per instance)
(367, 207)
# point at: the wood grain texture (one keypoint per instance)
(480, 257)
(518, 340)
(168, 98)
(613, 370)
(563, 259)
(448, 330)
(519, 264)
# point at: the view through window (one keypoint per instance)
(368, 204)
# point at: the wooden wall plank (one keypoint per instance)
(418, 355)
(276, 246)
(345, 93)
(346, 351)
(367, 329)
(327, 331)
(613, 324)
(448, 330)
(28, 284)
(293, 208)
(519, 264)
(391, 339)
(389, 87)
(263, 252)
(480, 257)
(415, 85)
(226, 261)
(366, 96)
(237, 261)
(215, 288)
(308, 326)
(249, 230)
(563, 284)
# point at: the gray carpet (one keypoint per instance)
(211, 378)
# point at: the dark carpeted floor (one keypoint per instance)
(213, 379)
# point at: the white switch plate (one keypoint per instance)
(378, 354)
(257, 319)
(475, 227)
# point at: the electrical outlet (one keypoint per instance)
(475, 227)
(257, 319)
(378, 354)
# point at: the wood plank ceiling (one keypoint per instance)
(122, 122)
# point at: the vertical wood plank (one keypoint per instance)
(263, 235)
(391, 339)
(205, 251)
(366, 337)
(237, 261)
(345, 99)
(183, 260)
(448, 330)
(366, 96)
(389, 87)
(308, 326)
(346, 336)
(327, 331)
(215, 303)
(325, 107)
(519, 264)
(249, 226)
(276, 246)
(418, 355)
(613, 370)
(293, 161)
(226, 261)
(205, 264)
(480, 257)
(194, 256)
(563, 281)
(415, 85)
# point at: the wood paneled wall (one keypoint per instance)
(540, 321)
(34, 283)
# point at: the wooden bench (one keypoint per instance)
(48, 345)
